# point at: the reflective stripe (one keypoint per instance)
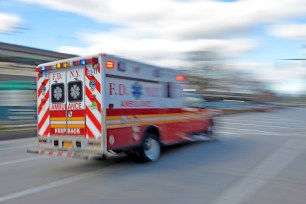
(67, 125)
(43, 112)
(93, 103)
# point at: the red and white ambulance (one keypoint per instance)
(103, 104)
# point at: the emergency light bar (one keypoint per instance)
(93, 61)
(61, 65)
(82, 62)
(42, 68)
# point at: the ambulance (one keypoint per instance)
(100, 105)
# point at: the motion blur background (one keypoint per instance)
(238, 55)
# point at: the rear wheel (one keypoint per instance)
(209, 131)
(150, 148)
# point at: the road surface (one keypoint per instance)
(258, 158)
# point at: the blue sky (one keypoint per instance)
(248, 32)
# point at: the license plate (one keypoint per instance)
(67, 145)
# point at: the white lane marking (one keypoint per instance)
(17, 147)
(19, 141)
(264, 120)
(266, 132)
(21, 160)
(54, 184)
(272, 126)
(264, 172)
(225, 132)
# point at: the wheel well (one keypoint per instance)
(154, 130)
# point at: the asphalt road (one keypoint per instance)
(17, 133)
(258, 158)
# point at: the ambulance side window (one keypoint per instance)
(75, 91)
(121, 66)
(58, 93)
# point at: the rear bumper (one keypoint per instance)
(65, 153)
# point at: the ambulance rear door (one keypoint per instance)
(67, 108)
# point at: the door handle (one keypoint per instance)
(69, 114)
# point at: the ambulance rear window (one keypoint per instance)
(58, 93)
(75, 91)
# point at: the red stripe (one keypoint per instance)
(93, 119)
(41, 103)
(144, 111)
(70, 154)
(59, 154)
(88, 92)
(41, 86)
(78, 113)
(47, 131)
(92, 78)
(50, 153)
(43, 120)
(89, 133)
(99, 68)
(57, 113)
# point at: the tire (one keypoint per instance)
(150, 148)
(133, 155)
(209, 133)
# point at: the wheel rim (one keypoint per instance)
(151, 149)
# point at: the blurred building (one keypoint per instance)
(18, 80)
(210, 78)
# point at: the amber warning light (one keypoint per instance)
(110, 64)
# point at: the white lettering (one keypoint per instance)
(58, 107)
(136, 103)
(74, 131)
(74, 106)
(60, 130)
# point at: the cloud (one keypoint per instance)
(291, 31)
(289, 71)
(176, 53)
(172, 32)
(8, 22)
(182, 19)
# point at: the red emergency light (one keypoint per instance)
(93, 60)
(180, 78)
(42, 68)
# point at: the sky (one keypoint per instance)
(251, 35)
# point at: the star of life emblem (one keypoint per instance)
(75, 91)
(58, 93)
